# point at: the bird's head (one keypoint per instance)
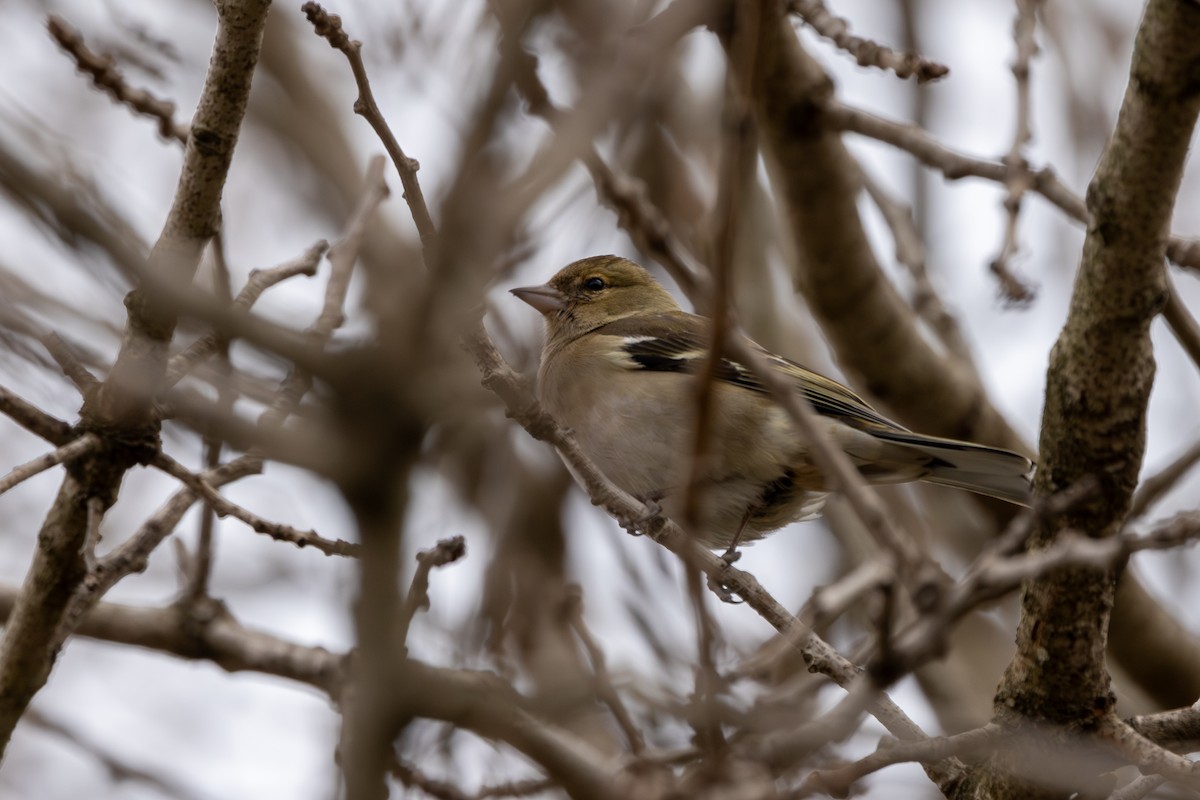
(592, 292)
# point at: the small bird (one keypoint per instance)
(617, 370)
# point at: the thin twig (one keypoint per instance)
(788, 748)
(34, 420)
(917, 570)
(411, 777)
(447, 551)
(625, 195)
(329, 27)
(106, 76)
(603, 681)
(133, 555)
(837, 782)
(69, 363)
(1150, 757)
(993, 577)
(201, 566)
(1158, 484)
(117, 769)
(943, 608)
(343, 255)
(953, 165)
(866, 52)
(64, 454)
(738, 160)
(1182, 323)
(224, 507)
(259, 281)
(910, 252)
(1177, 730)
(1018, 178)
(824, 606)
(1184, 252)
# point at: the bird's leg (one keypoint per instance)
(730, 556)
(731, 553)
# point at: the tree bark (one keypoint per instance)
(1098, 385)
(119, 410)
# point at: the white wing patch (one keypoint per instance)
(619, 353)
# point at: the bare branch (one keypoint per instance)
(70, 364)
(969, 745)
(65, 454)
(1177, 730)
(625, 195)
(866, 52)
(107, 77)
(1184, 252)
(447, 551)
(1018, 179)
(413, 778)
(214, 636)
(196, 586)
(953, 165)
(33, 419)
(1150, 757)
(910, 251)
(276, 530)
(259, 281)
(133, 554)
(342, 258)
(1183, 324)
(477, 701)
(1158, 484)
(1058, 674)
(916, 568)
(329, 27)
(121, 409)
(118, 769)
(603, 681)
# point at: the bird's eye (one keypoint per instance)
(594, 284)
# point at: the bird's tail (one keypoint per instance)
(977, 468)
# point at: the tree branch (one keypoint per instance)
(1094, 426)
(119, 410)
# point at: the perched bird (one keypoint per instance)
(617, 371)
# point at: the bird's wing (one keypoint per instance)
(680, 342)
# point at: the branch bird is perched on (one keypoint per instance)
(617, 370)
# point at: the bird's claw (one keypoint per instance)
(723, 592)
(634, 526)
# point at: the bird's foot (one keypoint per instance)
(723, 592)
(636, 526)
(717, 585)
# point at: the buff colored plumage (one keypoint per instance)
(617, 371)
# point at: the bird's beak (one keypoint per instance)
(544, 298)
